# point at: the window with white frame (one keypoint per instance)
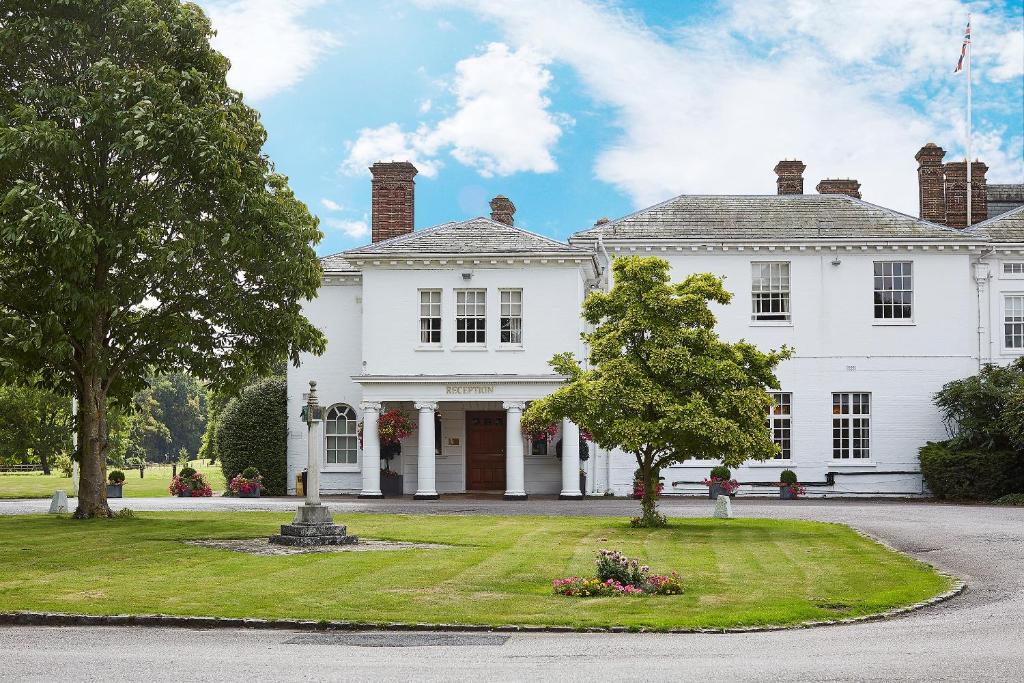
(894, 290)
(430, 316)
(511, 316)
(780, 422)
(1013, 268)
(470, 316)
(851, 426)
(770, 290)
(340, 432)
(1013, 321)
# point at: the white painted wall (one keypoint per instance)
(999, 285)
(841, 348)
(337, 311)
(551, 324)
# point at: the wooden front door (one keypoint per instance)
(485, 451)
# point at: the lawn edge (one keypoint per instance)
(26, 618)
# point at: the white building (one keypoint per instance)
(455, 325)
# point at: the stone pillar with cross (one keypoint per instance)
(313, 524)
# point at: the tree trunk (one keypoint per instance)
(92, 448)
(649, 501)
(44, 461)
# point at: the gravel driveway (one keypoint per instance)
(976, 636)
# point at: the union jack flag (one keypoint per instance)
(963, 49)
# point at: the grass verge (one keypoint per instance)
(740, 572)
(155, 483)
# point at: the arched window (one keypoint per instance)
(340, 430)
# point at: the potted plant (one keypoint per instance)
(189, 483)
(720, 482)
(115, 484)
(392, 426)
(583, 482)
(789, 487)
(247, 484)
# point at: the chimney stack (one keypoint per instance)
(979, 192)
(956, 193)
(931, 195)
(791, 176)
(503, 210)
(393, 199)
(847, 186)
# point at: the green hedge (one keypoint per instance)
(971, 474)
(253, 432)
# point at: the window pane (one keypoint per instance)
(851, 425)
(1014, 321)
(893, 290)
(780, 422)
(470, 316)
(770, 290)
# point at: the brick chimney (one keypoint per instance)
(503, 210)
(791, 176)
(930, 183)
(956, 194)
(847, 186)
(393, 199)
(979, 192)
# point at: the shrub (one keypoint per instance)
(788, 477)
(116, 477)
(1012, 499)
(250, 473)
(253, 432)
(62, 463)
(972, 474)
(187, 473)
(984, 411)
(611, 564)
(721, 472)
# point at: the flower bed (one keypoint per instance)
(619, 575)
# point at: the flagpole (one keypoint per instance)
(970, 191)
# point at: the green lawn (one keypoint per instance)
(736, 572)
(155, 483)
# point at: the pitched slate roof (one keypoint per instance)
(336, 263)
(1008, 227)
(473, 236)
(770, 217)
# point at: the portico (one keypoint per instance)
(468, 437)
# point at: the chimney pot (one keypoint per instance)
(601, 221)
(393, 199)
(847, 186)
(791, 176)
(503, 210)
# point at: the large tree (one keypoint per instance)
(35, 426)
(141, 226)
(660, 383)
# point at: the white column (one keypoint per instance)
(570, 461)
(371, 451)
(515, 465)
(425, 456)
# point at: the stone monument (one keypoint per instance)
(723, 507)
(59, 502)
(313, 524)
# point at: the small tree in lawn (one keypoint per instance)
(142, 228)
(661, 384)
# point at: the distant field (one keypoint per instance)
(155, 483)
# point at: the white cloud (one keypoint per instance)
(714, 108)
(352, 228)
(269, 46)
(425, 106)
(501, 125)
(331, 205)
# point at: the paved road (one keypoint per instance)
(976, 636)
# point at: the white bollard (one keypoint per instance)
(723, 507)
(59, 502)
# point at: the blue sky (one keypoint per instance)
(579, 109)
